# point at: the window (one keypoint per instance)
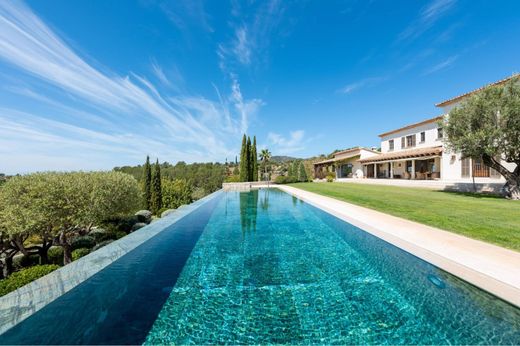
(465, 167)
(391, 144)
(410, 141)
(423, 137)
(439, 133)
(403, 142)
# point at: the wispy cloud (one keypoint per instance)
(251, 38)
(286, 145)
(184, 125)
(367, 82)
(159, 73)
(428, 16)
(183, 12)
(241, 46)
(442, 65)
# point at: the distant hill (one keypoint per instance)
(282, 159)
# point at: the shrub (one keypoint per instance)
(233, 179)
(85, 241)
(281, 179)
(20, 262)
(24, 276)
(78, 253)
(330, 177)
(121, 224)
(100, 245)
(55, 255)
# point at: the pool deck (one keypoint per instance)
(490, 267)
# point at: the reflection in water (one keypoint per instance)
(248, 210)
(264, 202)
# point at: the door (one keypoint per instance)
(370, 171)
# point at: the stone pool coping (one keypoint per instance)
(489, 267)
(25, 301)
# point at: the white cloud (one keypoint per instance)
(442, 65)
(286, 145)
(241, 46)
(428, 16)
(183, 127)
(159, 73)
(349, 88)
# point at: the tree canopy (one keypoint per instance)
(487, 126)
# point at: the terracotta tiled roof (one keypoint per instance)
(404, 154)
(457, 98)
(354, 149)
(427, 121)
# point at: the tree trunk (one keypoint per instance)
(67, 248)
(512, 186)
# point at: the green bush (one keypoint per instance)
(100, 245)
(85, 241)
(78, 253)
(330, 177)
(20, 262)
(55, 255)
(24, 276)
(121, 224)
(282, 179)
(233, 179)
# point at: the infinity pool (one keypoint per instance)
(264, 267)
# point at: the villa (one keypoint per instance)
(414, 152)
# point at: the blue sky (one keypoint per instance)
(97, 84)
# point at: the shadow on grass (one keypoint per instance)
(479, 195)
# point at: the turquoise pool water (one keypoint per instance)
(264, 267)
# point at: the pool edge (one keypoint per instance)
(20, 304)
(489, 267)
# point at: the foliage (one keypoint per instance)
(156, 204)
(254, 161)
(198, 193)
(487, 126)
(147, 184)
(176, 193)
(103, 243)
(330, 177)
(56, 255)
(244, 160)
(265, 156)
(78, 253)
(302, 173)
(206, 176)
(25, 261)
(62, 205)
(488, 218)
(281, 179)
(24, 276)
(233, 179)
(85, 241)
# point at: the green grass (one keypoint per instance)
(484, 217)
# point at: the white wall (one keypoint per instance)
(429, 129)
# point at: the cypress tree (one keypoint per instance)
(249, 162)
(156, 189)
(294, 169)
(290, 169)
(147, 184)
(254, 161)
(243, 160)
(302, 176)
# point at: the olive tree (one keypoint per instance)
(59, 206)
(487, 126)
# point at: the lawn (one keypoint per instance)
(484, 217)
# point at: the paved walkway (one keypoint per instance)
(490, 267)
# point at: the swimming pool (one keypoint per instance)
(265, 267)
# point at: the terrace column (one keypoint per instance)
(413, 169)
(391, 170)
(375, 170)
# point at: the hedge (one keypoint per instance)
(24, 276)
